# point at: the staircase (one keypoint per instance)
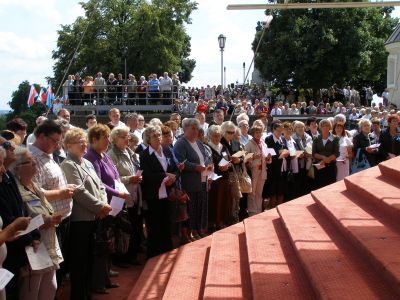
(339, 242)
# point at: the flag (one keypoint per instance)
(33, 94)
(50, 96)
(42, 96)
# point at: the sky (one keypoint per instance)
(28, 35)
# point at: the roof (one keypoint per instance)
(395, 36)
(339, 242)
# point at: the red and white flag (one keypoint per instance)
(32, 96)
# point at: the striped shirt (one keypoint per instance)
(49, 176)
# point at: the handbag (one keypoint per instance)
(104, 240)
(311, 172)
(360, 163)
(244, 181)
(177, 202)
(122, 232)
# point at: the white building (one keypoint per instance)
(392, 45)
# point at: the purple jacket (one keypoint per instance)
(106, 171)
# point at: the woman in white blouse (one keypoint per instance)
(345, 151)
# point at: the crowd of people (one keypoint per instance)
(111, 191)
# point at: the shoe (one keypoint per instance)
(114, 273)
(102, 291)
(112, 286)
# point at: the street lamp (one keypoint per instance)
(221, 42)
(125, 53)
(244, 72)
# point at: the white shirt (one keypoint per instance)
(139, 134)
(161, 158)
(276, 112)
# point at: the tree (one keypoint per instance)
(151, 36)
(19, 106)
(316, 48)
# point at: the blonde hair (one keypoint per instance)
(74, 135)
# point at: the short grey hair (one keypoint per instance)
(213, 129)
(19, 153)
(363, 122)
(339, 118)
(241, 117)
(227, 126)
(116, 131)
(131, 116)
(155, 122)
(189, 122)
(148, 132)
(297, 124)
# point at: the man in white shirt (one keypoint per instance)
(202, 120)
(166, 88)
(276, 111)
(132, 121)
(192, 106)
(115, 118)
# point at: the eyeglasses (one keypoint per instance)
(141, 120)
(55, 141)
(230, 132)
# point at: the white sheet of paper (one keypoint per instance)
(82, 185)
(270, 151)
(223, 162)
(120, 187)
(40, 259)
(214, 176)
(374, 146)
(5, 277)
(116, 204)
(162, 191)
(139, 173)
(340, 160)
(318, 166)
(36, 222)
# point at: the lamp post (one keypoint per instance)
(125, 53)
(244, 72)
(221, 42)
(224, 76)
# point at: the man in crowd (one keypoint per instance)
(115, 118)
(99, 87)
(132, 121)
(218, 117)
(192, 106)
(166, 88)
(90, 121)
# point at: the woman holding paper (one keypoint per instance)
(37, 283)
(364, 142)
(274, 187)
(258, 166)
(159, 171)
(345, 151)
(89, 204)
(127, 164)
(325, 151)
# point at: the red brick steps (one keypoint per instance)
(274, 268)
(340, 242)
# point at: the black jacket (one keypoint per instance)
(361, 141)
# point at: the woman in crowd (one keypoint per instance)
(275, 186)
(159, 173)
(303, 143)
(219, 194)
(390, 138)
(345, 151)
(39, 284)
(191, 151)
(232, 146)
(292, 161)
(127, 165)
(258, 167)
(89, 203)
(325, 151)
(245, 137)
(105, 169)
(362, 142)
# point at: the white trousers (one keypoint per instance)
(38, 286)
(255, 199)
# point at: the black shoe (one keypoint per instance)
(112, 285)
(102, 291)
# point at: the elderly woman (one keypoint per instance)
(105, 169)
(89, 203)
(274, 187)
(390, 138)
(159, 171)
(345, 150)
(258, 166)
(292, 161)
(219, 194)
(245, 137)
(127, 165)
(325, 151)
(363, 140)
(191, 151)
(228, 130)
(37, 284)
(303, 143)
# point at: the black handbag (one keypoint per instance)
(177, 202)
(103, 239)
(122, 230)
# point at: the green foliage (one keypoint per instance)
(316, 48)
(3, 121)
(18, 104)
(151, 36)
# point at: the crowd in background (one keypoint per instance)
(179, 181)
